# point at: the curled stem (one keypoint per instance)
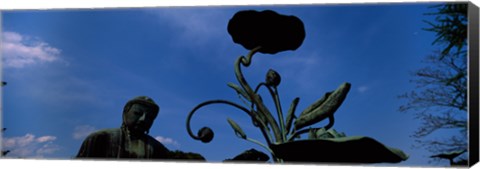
(189, 130)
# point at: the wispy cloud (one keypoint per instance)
(166, 140)
(195, 30)
(30, 146)
(80, 132)
(362, 89)
(19, 50)
(304, 69)
(196, 26)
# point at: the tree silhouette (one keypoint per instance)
(440, 99)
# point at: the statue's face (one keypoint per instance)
(139, 118)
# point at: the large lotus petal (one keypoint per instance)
(267, 29)
(355, 149)
(323, 108)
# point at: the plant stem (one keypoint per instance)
(280, 113)
(276, 99)
(246, 61)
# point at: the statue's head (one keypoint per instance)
(139, 114)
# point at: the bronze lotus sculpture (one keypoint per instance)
(269, 32)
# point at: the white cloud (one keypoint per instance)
(25, 140)
(46, 139)
(12, 37)
(166, 140)
(80, 132)
(29, 146)
(48, 148)
(19, 51)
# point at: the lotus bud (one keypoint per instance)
(205, 134)
(272, 78)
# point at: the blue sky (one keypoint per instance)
(70, 72)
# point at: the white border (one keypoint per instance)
(6, 5)
(87, 4)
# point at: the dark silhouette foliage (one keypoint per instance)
(440, 99)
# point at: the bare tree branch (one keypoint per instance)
(440, 99)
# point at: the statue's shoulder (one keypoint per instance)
(160, 151)
(105, 133)
(157, 144)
